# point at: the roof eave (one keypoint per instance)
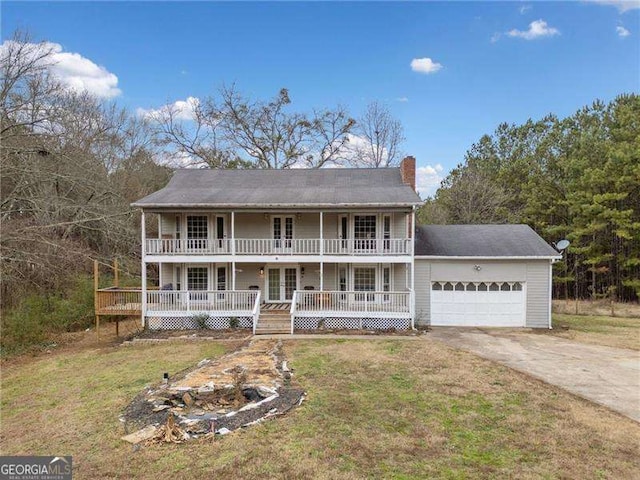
(273, 205)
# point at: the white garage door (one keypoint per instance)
(478, 304)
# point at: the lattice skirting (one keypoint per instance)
(314, 323)
(188, 323)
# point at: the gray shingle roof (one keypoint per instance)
(481, 241)
(287, 188)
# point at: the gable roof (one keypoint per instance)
(481, 241)
(325, 187)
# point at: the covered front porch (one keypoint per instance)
(312, 296)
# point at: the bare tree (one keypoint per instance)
(234, 131)
(276, 138)
(378, 138)
(63, 186)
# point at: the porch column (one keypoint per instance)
(412, 297)
(233, 250)
(143, 272)
(321, 251)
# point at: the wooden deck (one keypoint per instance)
(118, 301)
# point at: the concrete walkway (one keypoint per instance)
(605, 375)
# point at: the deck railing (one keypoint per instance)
(369, 304)
(267, 246)
(238, 302)
(118, 301)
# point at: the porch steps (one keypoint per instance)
(273, 321)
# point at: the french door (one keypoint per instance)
(282, 231)
(281, 283)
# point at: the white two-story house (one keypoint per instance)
(300, 249)
(325, 246)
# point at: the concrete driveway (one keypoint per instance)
(605, 375)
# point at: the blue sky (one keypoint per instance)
(487, 62)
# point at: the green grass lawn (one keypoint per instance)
(602, 330)
(375, 409)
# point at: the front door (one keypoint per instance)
(281, 283)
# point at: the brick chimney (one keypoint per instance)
(408, 171)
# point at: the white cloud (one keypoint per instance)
(537, 29)
(524, 9)
(181, 109)
(622, 32)
(428, 179)
(75, 71)
(402, 99)
(425, 65)
(622, 5)
(495, 37)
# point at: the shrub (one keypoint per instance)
(200, 320)
(234, 322)
(40, 315)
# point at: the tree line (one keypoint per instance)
(576, 178)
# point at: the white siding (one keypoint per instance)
(166, 274)
(537, 294)
(168, 223)
(307, 225)
(399, 227)
(252, 225)
(466, 271)
(423, 292)
(400, 277)
(250, 275)
(330, 274)
(330, 225)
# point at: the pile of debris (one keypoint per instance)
(215, 397)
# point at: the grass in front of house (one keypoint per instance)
(375, 409)
(600, 330)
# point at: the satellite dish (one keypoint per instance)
(562, 245)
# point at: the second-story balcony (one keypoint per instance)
(261, 246)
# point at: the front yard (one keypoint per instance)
(375, 408)
(620, 332)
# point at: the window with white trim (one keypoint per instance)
(197, 231)
(364, 232)
(364, 280)
(197, 278)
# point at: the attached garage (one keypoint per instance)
(482, 276)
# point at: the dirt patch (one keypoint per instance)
(218, 396)
(235, 333)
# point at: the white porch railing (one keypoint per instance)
(256, 312)
(266, 246)
(390, 246)
(218, 302)
(366, 304)
(159, 246)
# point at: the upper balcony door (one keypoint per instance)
(282, 233)
(370, 233)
